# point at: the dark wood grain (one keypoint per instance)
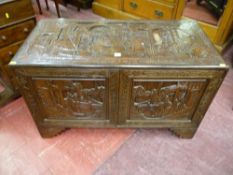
(6, 55)
(16, 22)
(15, 33)
(124, 74)
(16, 9)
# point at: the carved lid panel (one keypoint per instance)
(106, 43)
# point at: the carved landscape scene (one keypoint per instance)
(104, 42)
(165, 100)
(72, 99)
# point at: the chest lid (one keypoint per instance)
(108, 43)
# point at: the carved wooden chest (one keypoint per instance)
(124, 74)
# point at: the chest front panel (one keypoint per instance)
(153, 99)
(70, 94)
(73, 98)
(163, 96)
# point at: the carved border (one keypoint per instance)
(214, 77)
(25, 87)
(209, 94)
(25, 77)
(124, 98)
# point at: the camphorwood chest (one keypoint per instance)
(123, 74)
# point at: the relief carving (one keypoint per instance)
(166, 100)
(25, 87)
(177, 41)
(137, 42)
(72, 98)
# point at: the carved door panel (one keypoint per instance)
(166, 97)
(85, 96)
